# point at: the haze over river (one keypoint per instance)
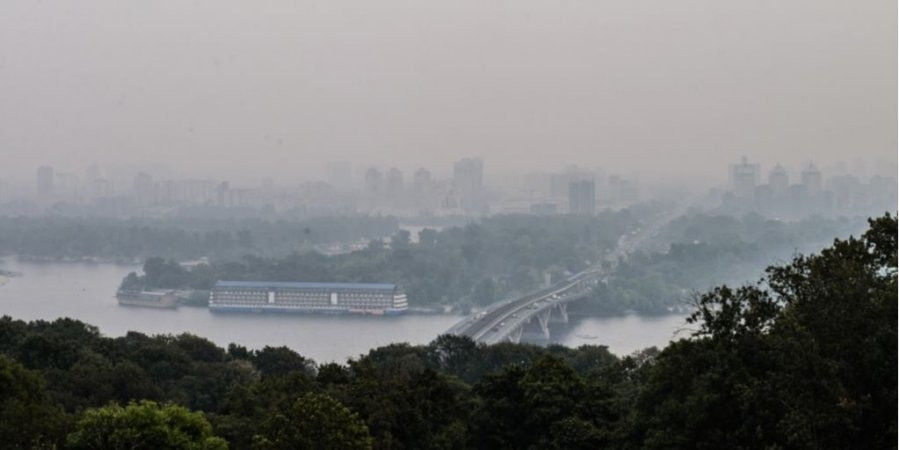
(85, 291)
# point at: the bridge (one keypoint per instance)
(507, 321)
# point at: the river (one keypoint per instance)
(85, 291)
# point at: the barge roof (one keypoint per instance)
(302, 285)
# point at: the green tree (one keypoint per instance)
(143, 425)
(272, 361)
(499, 421)
(455, 355)
(401, 240)
(27, 418)
(553, 394)
(804, 359)
(427, 237)
(314, 421)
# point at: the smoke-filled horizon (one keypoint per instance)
(244, 91)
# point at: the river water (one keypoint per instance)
(85, 291)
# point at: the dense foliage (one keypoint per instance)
(501, 256)
(695, 252)
(805, 358)
(181, 239)
(143, 425)
(477, 264)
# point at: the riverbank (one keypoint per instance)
(85, 291)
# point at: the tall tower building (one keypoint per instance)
(421, 180)
(779, 180)
(468, 179)
(582, 197)
(743, 178)
(44, 181)
(374, 181)
(811, 179)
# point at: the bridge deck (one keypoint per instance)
(499, 322)
(491, 325)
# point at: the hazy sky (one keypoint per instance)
(246, 89)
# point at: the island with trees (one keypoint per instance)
(459, 267)
(463, 268)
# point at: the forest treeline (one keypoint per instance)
(805, 358)
(503, 256)
(477, 264)
(180, 238)
(698, 251)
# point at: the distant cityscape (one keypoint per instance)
(814, 192)
(347, 189)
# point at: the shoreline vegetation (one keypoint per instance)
(462, 270)
(458, 268)
(804, 358)
(57, 238)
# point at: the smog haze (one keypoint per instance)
(279, 88)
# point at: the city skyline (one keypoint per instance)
(279, 90)
(348, 188)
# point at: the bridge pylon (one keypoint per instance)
(543, 320)
(515, 336)
(563, 311)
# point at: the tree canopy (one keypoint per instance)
(143, 425)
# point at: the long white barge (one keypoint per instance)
(306, 297)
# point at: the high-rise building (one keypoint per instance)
(423, 191)
(779, 180)
(811, 180)
(221, 194)
(582, 197)
(422, 180)
(374, 181)
(743, 178)
(45, 181)
(144, 188)
(468, 179)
